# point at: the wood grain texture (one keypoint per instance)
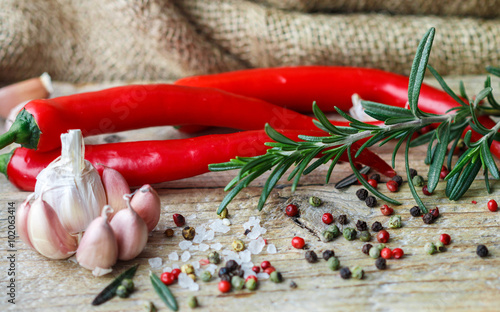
(456, 280)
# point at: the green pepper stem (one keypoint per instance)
(24, 131)
(4, 162)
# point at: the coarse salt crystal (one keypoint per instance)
(194, 247)
(173, 256)
(185, 244)
(218, 226)
(246, 256)
(191, 217)
(216, 246)
(198, 238)
(203, 247)
(194, 287)
(256, 246)
(209, 235)
(175, 266)
(211, 268)
(155, 262)
(184, 280)
(186, 255)
(167, 269)
(271, 248)
(262, 275)
(195, 264)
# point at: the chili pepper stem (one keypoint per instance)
(4, 162)
(24, 131)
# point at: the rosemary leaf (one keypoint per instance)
(487, 181)
(488, 160)
(408, 176)
(438, 159)
(274, 178)
(445, 86)
(351, 179)
(110, 290)
(163, 292)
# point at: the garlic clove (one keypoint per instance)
(98, 249)
(115, 187)
(147, 204)
(47, 234)
(22, 214)
(131, 232)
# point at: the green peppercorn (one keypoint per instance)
(251, 284)
(430, 248)
(314, 201)
(395, 222)
(237, 282)
(380, 246)
(128, 284)
(365, 236)
(187, 268)
(349, 233)
(374, 253)
(188, 232)
(192, 302)
(223, 214)
(440, 246)
(238, 245)
(206, 276)
(333, 263)
(357, 272)
(122, 292)
(214, 257)
(276, 277)
(418, 181)
(334, 230)
(149, 306)
(328, 236)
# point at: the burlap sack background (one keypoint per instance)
(102, 40)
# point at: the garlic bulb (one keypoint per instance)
(22, 220)
(115, 187)
(98, 249)
(46, 233)
(131, 232)
(146, 203)
(72, 185)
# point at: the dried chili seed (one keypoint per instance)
(381, 263)
(392, 186)
(327, 254)
(343, 219)
(383, 236)
(492, 205)
(372, 183)
(188, 233)
(445, 239)
(292, 210)
(293, 284)
(178, 219)
(327, 218)
(371, 201)
(366, 248)
(377, 226)
(362, 194)
(231, 265)
(311, 256)
(413, 173)
(345, 273)
(314, 201)
(398, 179)
(375, 177)
(428, 218)
(349, 233)
(481, 251)
(169, 233)
(435, 212)
(418, 181)
(361, 226)
(425, 191)
(415, 211)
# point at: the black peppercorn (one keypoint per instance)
(362, 194)
(361, 226)
(293, 284)
(238, 272)
(223, 271)
(381, 264)
(231, 265)
(345, 273)
(377, 226)
(398, 179)
(413, 173)
(415, 211)
(327, 254)
(375, 177)
(366, 248)
(247, 231)
(311, 256)
(428, 218)
(481, 251)
(343, 219)
(371, 201)
(225, 277)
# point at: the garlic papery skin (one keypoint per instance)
(22, 214)
(71, 185)
(131, 232)
(147, 204)
(115, 187)
(46, 233)
(98, 249)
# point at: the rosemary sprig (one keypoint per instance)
(399, 123)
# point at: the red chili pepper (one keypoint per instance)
(147, 162)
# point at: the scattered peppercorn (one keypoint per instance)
(383, 236)
(492, 205)
(430, 248)
(377, 226)
(169, 233)
(187, 268)
(224, 213)
(380, 246)
(276, 277)
(192, 276)
(381, 263)
(395, 222)
(298, 242)
(333, 263)
(386, 253)
(328, 236)
(413, 173)
(444, 172)
(425, 191)
(214, 257)
(247, 231)
(292, 210)
(167, 278)
(311, 256)
(225, 277)
(237, 282)
(386, 210)
(372, 183)
(231, 265)
(397, 253)
(327, 218)
(188, 233)
(374, 253)
(251, 284)
(265, 264)
(398, 179)
(375, 177)
(440, 246)
(361, 226)
(293, 284)
(256, 269)
(371, 201)
(176, 273)
(345, 273)
(314, 201)
(435, 212)
(392, 186)
(343, 219)
(269, 270)
(418, 181)
(474, 202)
(206, 276)
(224, 286)
(482, 251)
(192, 302)
(251, 277)
(122, 292)
(445, 238)
(362, 194)
(349, 233)
(415, 211)
(365, 236)
(366, 248)
(238, 245)
(128, 284)
(428, 218)
(334, 229)
(178, 219)
(327, 254)
(223, 271)
(364, 176)
(357, 272)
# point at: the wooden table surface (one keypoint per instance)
(455, 280)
